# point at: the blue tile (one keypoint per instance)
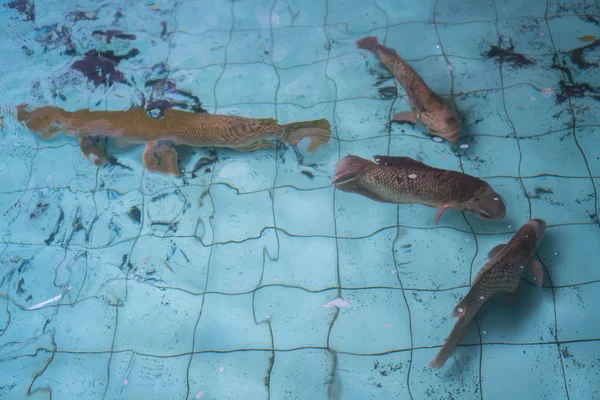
(365, 16)
(581, 369)
(412, 10)
(249, 47)
(171, 263)
(239, 217)
(247, 84)
(297, 317)
(291, 257)
(362, 118)
(74, 375)
(14, 385)
(305, 213)
(554, 199)
(465, 11)
(306, 86)
(574, 303)
(589, 139)
(255, 15)
(431, 317)
(460, 377)
(227, 323)
(509, 9)
(195, 51)
(229, 375)
(430, 262)
(363, 377)
(487, 156)
(522, 102)
(368, 261)
(522, 365)
(470, 40)
(295, 47)
(141, 375)
(292, 370)
(375, 321)
(480, 76)
(555, 153)
(567, 252)
(198, 17)
(483, 113)
(166, 311)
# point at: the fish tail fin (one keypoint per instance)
(319, 131)
(460, 329)
(368, 43)
(349, 167)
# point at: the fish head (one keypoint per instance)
(46, 121)
(445, 123)
(534, 231)
(487, 204)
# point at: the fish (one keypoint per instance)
(587, 38)
(403, 180)
(176, 127)
(432, 110)
(501, 274)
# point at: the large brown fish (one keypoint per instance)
(176, 127)
(403, 180)
(433, 111)
(501, 274)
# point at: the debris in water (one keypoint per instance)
(412, 176)
(464, 146)
(437, 139)
(337, 302)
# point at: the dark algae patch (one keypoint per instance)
(24, 7)
(575, 90)
(507, 54)
(100, 67)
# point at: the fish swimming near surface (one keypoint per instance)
(433, 111)
(501, 274)
(402, 180)
(176, 127)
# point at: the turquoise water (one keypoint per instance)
(118, 283)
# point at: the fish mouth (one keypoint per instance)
(540, 224)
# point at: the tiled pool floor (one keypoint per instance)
(117, 283)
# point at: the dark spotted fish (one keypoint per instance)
(403, 180)
(501, 274)
(433, 111)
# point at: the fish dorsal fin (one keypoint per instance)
(398, 161)
(495, 250)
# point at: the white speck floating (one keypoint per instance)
(464, 146)
(221, 369)
(541, 34)
(450, 67)
(351, 380)
(388, 325)
(467, 240)
(126, 381)
(547, 92)
(412, 176)
(496, 198)
(460, 310)
(481, 297)
(274, 278)
(510, 226)
(269, 316)
(532, 98)
(522, 267)
(393, 271)
(437, 139)
(485, 332)
(200, 394)
(337, 302)
(556, 253)
(437, 46)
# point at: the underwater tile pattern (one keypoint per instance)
(116, 283)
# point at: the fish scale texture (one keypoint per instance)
(119, 283)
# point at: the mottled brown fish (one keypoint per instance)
(433, 111)
(403, 180)
(501, 274)
(176, 127)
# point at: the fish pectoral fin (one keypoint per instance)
(441, 211)
(405, 116)
(495, 250)
(162, 158)
(123, 143)
(89, 146)
(538, 271)
(404, 162)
